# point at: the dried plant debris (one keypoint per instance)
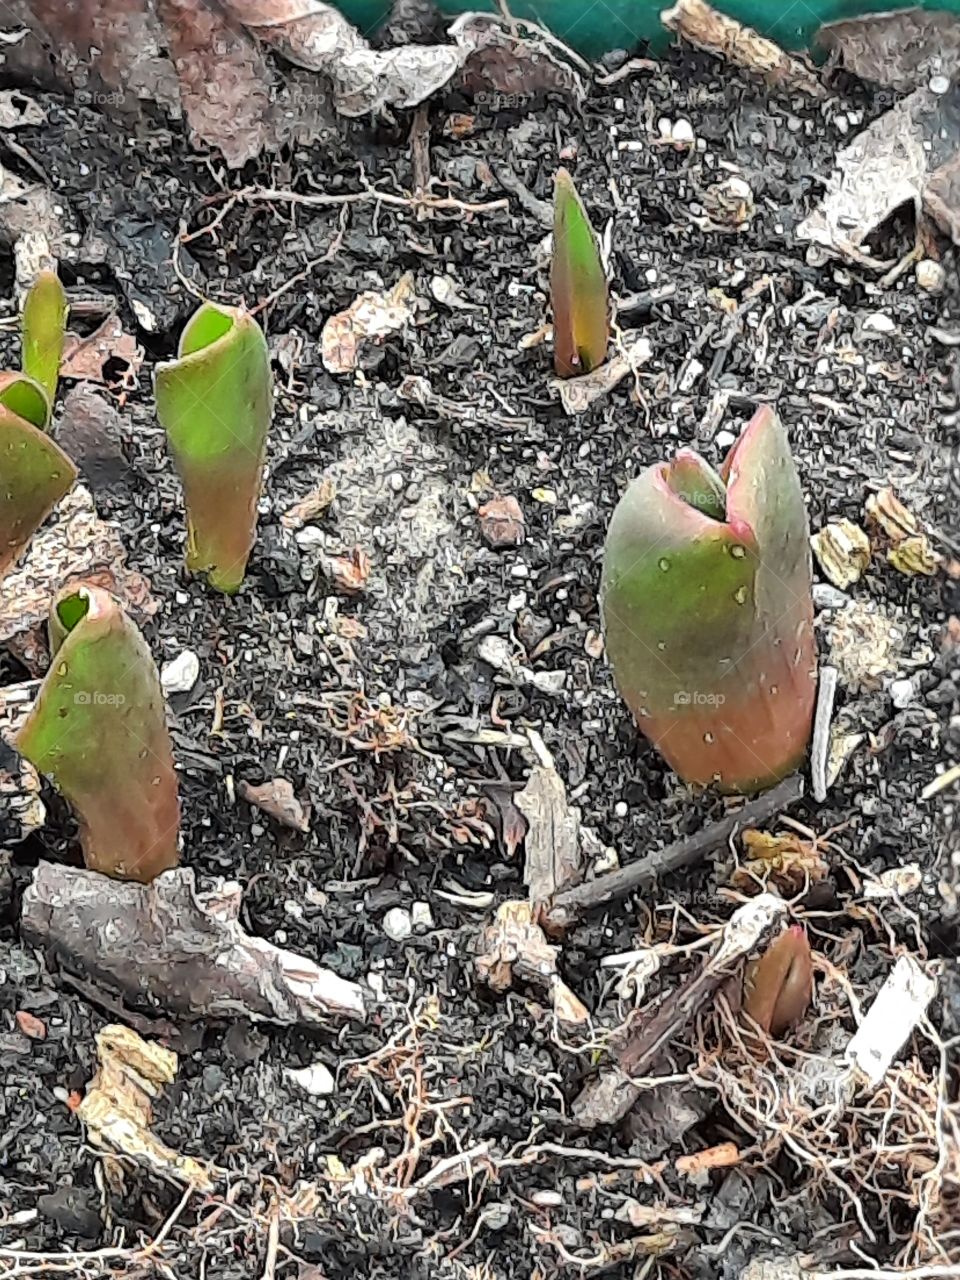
(226, 87)
(906, 157)
(578, 394)
(786, 861)
(900, 1004)
(864, 645)
(843, 552)
(908, 548)
(277, 798)
(168, 947)
(901, 50)
(708, 29)
(513, 946)
(370, 318)
(117, 1110)
(552, 844)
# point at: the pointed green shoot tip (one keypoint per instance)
(35, 473)
(44, 324)
(98, 731)
(578, 286)
(215, 403)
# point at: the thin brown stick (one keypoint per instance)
(608, 888)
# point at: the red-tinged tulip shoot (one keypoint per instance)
(778, 988)
(98, 730)
(578, 286)
(215, 403)
(35, 473)
(708, 611)
(44, 323)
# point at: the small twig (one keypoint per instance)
(820, 749)
(682, 853)
(420, 156)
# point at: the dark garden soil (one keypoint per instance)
(379, 710)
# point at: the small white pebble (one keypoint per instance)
(901, 693)
(725, 439)
(519, 570)
(621, 808)
(397, 482)
(309, 536)
(879, 323)
(397, 924)
(315, 1079)
(930, 276)
(683, 131)
(421, 915)
(181, 673)
(547, 1199)
(939, 84)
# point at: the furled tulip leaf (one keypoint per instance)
(98, 730)
(578, 286)
(708, 611)
(44, 324)
(215, 403)
(35, 473)
(778, 988)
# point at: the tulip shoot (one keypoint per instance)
(215, 403)
(98, 730)
(578, 286)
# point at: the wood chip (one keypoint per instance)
(87, 358)
(843, 552)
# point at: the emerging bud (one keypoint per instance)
(35, 473)
(215, 403)
(44, 323)
(98, 730)
(708, 611)
(778, 988)
(578, 286)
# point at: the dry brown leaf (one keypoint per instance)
(899, 50)
(371, 317)
(886, 511)
(703, 26)
(578, 394)
(277, 799)
(314, 504)
(513, 946)
(85, 358)
(501, 522)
